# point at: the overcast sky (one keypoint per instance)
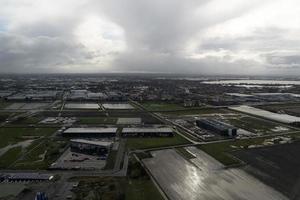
(172, 36)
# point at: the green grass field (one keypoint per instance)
(144, 143)
(4, 116)
(256, 125)
(10, 156)
(30, 120)
(142, 189)
(4, 104)
(139, 185)
(12, 135)
(97, 120)
(110, 162)
(221, 151)
(161, 106)
(196, 111)
(183, 152)
(136, 186)
(40, 154)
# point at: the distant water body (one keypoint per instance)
(254, 82)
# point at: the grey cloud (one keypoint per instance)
(45, 54)
(282, 59)
(156, 34)
(166, 63)
(166, 26)
(155, 25)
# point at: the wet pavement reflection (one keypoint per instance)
(204, 178)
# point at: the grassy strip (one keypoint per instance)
(159, 106)
(145, 143)
(139, 185)
(143, 155)
(4, 104)
(49, 148)
(136, 186)
(10, 156)
(97, 120)
(30, 120)
(221, 151)
(99, 188)
(12, 135)
(183, 152)
(255, 125)
(197, 111)
(110, 162)
(142, 189)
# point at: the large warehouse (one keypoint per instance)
(282, 118)
(147, 132)
(91, 147)
(12, 177)
(217, 127)
(129, 121)
(90, 132)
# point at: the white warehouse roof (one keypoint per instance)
(93, 142)
(147, 130)
(91, 130)
(129, 120)
(284, 118)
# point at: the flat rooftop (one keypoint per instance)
(82, 106)
(284, 118)
(93, 142)
(147, 130)
(30, 176)
(117, 106)
(91, 130)
(129, 121)
(239, 95)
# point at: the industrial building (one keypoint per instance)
(90, 147)
(129, 121)
(97, 132)
(79, 95)
(147, 132)
(217, 127)
(282, 118)
(88, 106)
(117, 106)
(34, 96)
(15, 177)
(41, 196)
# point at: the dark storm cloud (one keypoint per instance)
(41, 54)
(191, 36)
(283, 60)
(155, 25)
(157, 33)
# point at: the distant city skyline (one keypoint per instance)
(171, 36)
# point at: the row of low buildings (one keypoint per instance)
(282, 118)
(88, 140)
(34, 96)
(79, 95)
(16, 177)
(99, 132)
